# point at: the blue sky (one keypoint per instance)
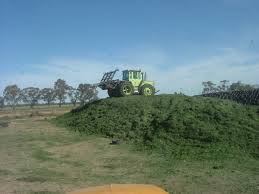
(180, 43)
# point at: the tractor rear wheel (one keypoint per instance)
(125, 89)
(147, 90)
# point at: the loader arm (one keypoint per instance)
(107, 80)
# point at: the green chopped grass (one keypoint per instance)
(174, 125)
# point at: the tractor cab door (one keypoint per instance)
(125, 75)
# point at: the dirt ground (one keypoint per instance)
(38, 157)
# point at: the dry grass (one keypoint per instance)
(38, 157)
(43, 111)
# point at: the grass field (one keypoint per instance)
(38, 157)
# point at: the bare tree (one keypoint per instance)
(87, 93)
(12, 95)
(73, 94)
(48, 95)
(30, 95)
(61, 88)
(1, 102)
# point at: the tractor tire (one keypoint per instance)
(147, 90)
(112, 92)
(125, 89)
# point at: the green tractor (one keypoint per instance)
(133, 82)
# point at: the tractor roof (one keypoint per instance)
(137, 70)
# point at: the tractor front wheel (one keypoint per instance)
(147, 90)
(126, 89)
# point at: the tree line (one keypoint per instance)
(225, 86)
(13, 95)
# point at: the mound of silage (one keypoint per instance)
(175, 125)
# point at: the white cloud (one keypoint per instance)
(228, 64)
(232, 65)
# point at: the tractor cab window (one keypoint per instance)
(139, 75)
(136, 75)
(125, 75)
(130, 75)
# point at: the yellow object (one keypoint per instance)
(122, 189)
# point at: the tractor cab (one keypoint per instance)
(134, 76)
(129, 75)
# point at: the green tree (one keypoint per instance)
(61, 88)
(239, 86)
(224, 86)
(12, 94)
(205, 88)
(73, 95)
(48, 95)
(1, 102)
(30, 96)
(87, 93)
(209, 87)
